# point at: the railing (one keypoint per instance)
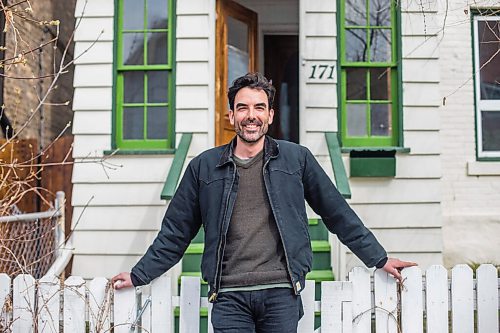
(345, 306)
(174, 174)
(338, 167)
(35, 242)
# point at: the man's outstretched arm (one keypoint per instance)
(180, 224)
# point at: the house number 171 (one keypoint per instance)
(322, 72)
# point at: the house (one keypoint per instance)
(396, 86)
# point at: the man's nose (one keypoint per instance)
(251, 113)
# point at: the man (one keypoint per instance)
(249, 198)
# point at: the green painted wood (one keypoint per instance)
(143, 144)
(139, 152)
(397, 149)
(373, 166)
(195, 248)
(320, 246)
(174, 174)
(320, 275)
(339, 171)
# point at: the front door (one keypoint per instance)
(236, 55)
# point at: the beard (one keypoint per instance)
(253, 136)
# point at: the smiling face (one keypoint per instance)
(251, 116)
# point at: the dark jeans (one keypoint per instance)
(263, 311)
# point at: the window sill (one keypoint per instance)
(475, 168)
(139, 152)
(397, 149)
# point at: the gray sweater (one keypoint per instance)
(254, 253)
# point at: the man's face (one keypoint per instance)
(251, 116)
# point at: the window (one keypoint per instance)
(144, 75)
(487, 84)
(369, 73)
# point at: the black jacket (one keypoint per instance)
(206, 195)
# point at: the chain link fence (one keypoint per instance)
(29, 243)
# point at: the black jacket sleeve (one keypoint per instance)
(339, 218)
(180, 225)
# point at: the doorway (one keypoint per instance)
(281, 63)
(242, 28)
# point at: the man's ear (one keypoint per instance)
(231, 116)
(271, 116)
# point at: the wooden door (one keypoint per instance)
(236, 55)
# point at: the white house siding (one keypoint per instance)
(116, 199)
(471, 189)
(404, 212)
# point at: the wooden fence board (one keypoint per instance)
(162, 315)
(462, 299)
(436, 286)
(189, 320)
(74, 305)
(125, 309)
(49, 292)
(361, 300)
(336, 297)
(306, 324)
(411, 301)
(99, 303)
(487, 299)
(24, 304)
(385, 302)
(4, 295)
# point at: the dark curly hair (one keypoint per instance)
(251, 80)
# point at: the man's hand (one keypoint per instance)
(394, 266)
(122, 280)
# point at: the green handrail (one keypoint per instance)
(337, 164)
(174, 174)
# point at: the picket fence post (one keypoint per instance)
(49, 290)
(436, 286)
(462, 299)
(24, 304)
(99, 305)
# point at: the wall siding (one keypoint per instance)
(113, 198)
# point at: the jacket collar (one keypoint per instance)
(271, 150)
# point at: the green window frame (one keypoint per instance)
(144, 75)
(369, 90)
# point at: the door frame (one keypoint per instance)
(241, 13)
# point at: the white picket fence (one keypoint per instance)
(47, 305)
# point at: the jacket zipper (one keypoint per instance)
(213, 297)
(279, 228)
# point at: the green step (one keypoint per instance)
(314, 224)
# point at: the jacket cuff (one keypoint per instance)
(135, 280)
(382, 262)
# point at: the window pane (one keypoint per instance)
(490, 125)
(380, 48)
(380, 12)
(355, 12)
(157, 14)
(133, 48)
(133, 123)
(356, 83)
(133, 87)
(356, 120)
(157, 87)
(133, 15)
(355, 44)
(380, 119)
(380, 83)
(237, 34)
(157, 122)
(157, 48)
(489, 58)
